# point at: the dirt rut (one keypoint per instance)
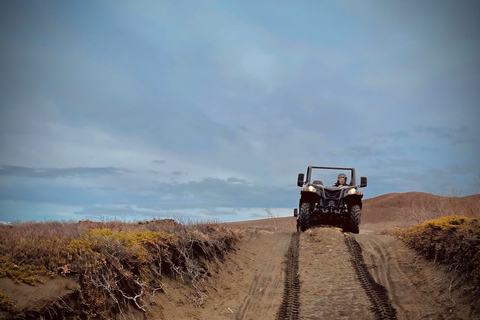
(413, 284)
(291, 294)
(381, 305)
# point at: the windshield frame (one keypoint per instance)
(352, 173)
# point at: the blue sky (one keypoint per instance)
(201, 110)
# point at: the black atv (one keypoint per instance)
(329, 205)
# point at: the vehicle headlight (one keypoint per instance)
(310, 188)
(352, 191)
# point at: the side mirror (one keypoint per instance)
(295, 212)
(300, 179)
(363, 182)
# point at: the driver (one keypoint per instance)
(341, 180)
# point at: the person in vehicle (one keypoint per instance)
(341, 180)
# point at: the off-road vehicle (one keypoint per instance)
(326, 204)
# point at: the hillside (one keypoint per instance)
(403, 209)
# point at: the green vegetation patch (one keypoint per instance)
(451, 240)
(29, 274)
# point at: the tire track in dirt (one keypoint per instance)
(414, 286)
(263, 263)
(289, 310)
(377, 294)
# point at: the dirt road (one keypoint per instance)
(322, 273)
(250, 285)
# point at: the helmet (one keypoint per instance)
(342, 175)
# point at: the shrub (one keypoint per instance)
(451, 240)
(5, 303)
(117, 263)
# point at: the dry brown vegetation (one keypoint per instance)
(453, 241)
(119, 266)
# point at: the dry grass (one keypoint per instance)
(118, 265)
(453, 241)
(415, 207)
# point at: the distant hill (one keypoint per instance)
(417, 207)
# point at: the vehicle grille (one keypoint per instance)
(333, 194)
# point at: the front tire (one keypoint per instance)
(354, 214)
(304, 216)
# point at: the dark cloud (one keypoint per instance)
(399, 102)
(54, 173)
(236, 180)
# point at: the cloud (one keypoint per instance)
(55, 173)
(452, 135)
(127, 212)
(236, 180)
(214, 192)
(236, 98)
(137, 212)
(117, 211)
(18, 210)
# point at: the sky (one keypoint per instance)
(208, 110)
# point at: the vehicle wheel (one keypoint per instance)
(304, 216)
(354, 218)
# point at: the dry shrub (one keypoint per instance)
(5, 303)
(419, 209)
(451, 240)
(118, 265)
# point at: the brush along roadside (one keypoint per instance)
(118, 266)
(453, 241)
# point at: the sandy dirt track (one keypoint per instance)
(250, 285)
(341, 276)
(411, 282)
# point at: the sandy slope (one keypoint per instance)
(248, 286)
